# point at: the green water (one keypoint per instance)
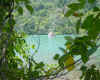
(48, 47)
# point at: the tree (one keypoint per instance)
(9, 62)
(47, 15)
(84, 45)
(23, 66)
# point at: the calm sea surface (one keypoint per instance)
(48, 47)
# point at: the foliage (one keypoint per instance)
(84, 45)
(48, 15)
(15, 59)
(10, 42)
(90, 73)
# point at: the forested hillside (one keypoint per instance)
(48, 16)
(17, 52)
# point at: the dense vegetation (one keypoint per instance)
(47, 16)
(16, 62)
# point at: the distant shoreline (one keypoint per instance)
(47, 34)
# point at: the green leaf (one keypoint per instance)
(75, 6)
(91, 1)
(69, 13)
(63, 50)
(39, 65)
(97, 24)
(78, 26)
(35, 74)
(35, 51)
(83, 68)
(69, 38)
(56, 57)
(88, 22)
(84, 57)
(61, 61)
(98, 74)
(82, 2)
(91, 51)
(93, 27)
(29, 8)
(69, 63)
(20, 10)
(88, 75)
(33, 46)
(25, 1)
(96, 9)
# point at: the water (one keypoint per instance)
(48, 47)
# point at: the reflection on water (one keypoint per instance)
(48, 47)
